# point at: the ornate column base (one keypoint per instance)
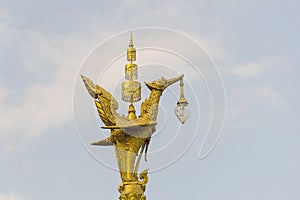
(134, 190)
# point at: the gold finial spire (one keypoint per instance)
(131, 51)
(131, 42)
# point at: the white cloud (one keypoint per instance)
(47, 100)
(11, 196)
(245, 97)
(241, 1)
(133, 2)
(242, 100)
(212, 43)
(264, 94)
(250, 70)
(4, 14)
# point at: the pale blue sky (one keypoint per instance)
(254, 43)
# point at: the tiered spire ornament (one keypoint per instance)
(129, 135)
(131, 89)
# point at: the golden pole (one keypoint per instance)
(130, 135)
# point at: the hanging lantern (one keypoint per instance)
(182, 110)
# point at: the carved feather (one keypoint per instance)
(89, 86)
(106, 104)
